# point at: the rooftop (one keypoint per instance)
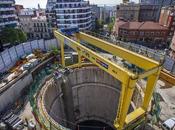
(148, 25)
(39, 18)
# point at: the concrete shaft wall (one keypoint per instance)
(13, 92)
(95, 97)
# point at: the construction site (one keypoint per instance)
(95, 85)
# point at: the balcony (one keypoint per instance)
(8, 23)
(7, 1)
(68, 8)
(74, 19)
(73, 13)
(11, 22)
(70, 23)
(7, 16)
(7, 9)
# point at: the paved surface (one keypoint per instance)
(167, 104)
(26, 114)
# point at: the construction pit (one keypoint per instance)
(84, 98)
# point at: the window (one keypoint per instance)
(141, 33)
(152, 33)
(158, 33)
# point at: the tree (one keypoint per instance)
(98, 25)
(12, 35)
(111, 24)
(110, 27)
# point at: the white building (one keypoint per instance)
(34, 23)
(7, 14)
(66, 13)
(40, 28)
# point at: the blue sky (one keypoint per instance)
(34, 3)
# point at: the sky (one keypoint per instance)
(34, 3)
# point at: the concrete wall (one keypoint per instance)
(10, 95)
(54, 102)
(95, 96)
(9, 56)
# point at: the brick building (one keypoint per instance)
(150, 32)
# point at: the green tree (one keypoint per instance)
(111, 24)
(12, 35)
(98, 25)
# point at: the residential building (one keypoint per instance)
(25, 21)
(7, 14)
(34, 24)
(149, 13)
(167, 18)
(95, 11)
(140, 31)
(27, 12)
(138, 12)
(158, 2)
(69, 13)
(128, 11)
(40, 28)
(106, 13)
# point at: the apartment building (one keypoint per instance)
(65, 13)
(7, 14)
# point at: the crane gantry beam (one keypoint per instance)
(126, 77)
(132, 57)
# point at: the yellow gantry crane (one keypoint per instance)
(127, 78)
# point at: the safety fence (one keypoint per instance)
(9, 56)
(158, 55)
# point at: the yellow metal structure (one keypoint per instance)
(126, 77)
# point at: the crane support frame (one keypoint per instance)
(132, 57)
(126, 77)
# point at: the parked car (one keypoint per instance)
(169, 124)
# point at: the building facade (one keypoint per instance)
(40, 28)
(167, 19)
(65, 13)
(7, 14)
(150, 32)
(158, 2)
(149, 13)
(138, 12)
(95, 11)
(34, 23)
(128, 11)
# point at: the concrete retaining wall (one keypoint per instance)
(10, 95)
(95, 96)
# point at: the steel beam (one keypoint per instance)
(132, 57)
